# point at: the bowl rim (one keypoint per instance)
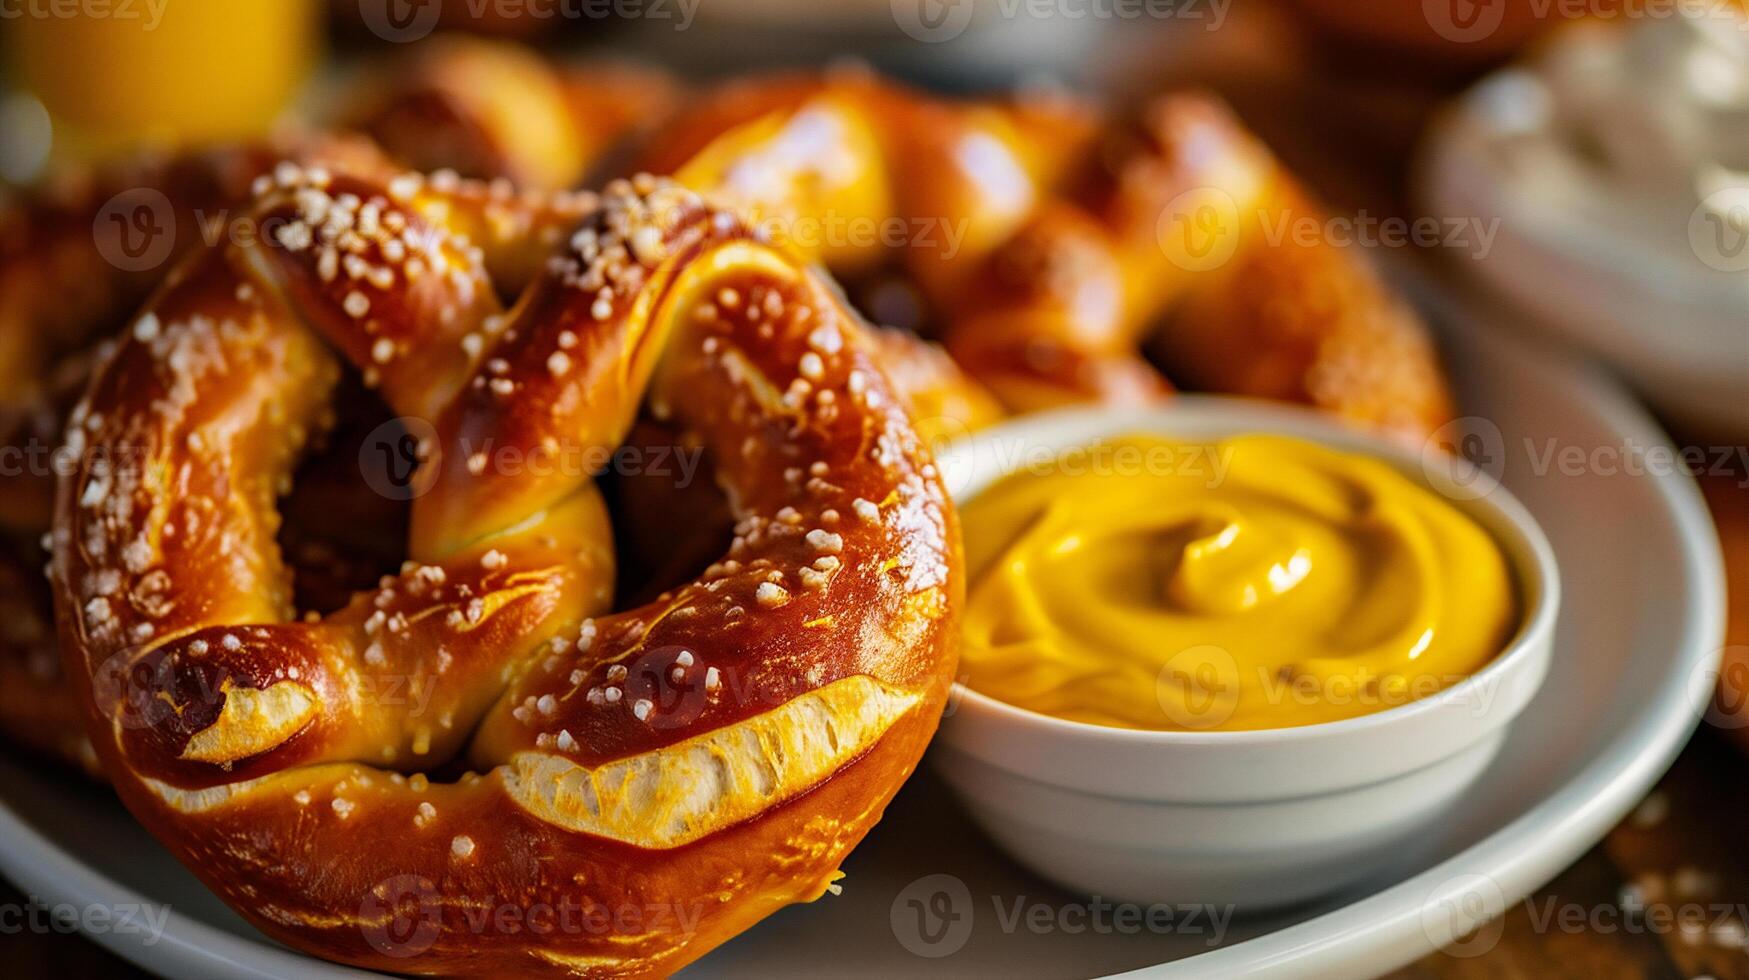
(1535, 570)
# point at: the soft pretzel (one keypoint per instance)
(491, 110)
(62, 293)
(715, 752)
(496, 110)
(1067, 265)
(62, 296)
(484, 109)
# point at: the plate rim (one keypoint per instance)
(1370, 935)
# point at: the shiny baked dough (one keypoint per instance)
(678, 794)
(719, 748)
(1047, 242)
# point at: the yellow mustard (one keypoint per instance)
(1256, 582)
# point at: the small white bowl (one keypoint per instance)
(1253, 819)
(1668, 319)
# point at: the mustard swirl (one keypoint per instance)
(1257, 582)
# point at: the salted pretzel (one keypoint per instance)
(497, 110)
(67, 280)
(718, 750)
(490, 110)
(1071, 262)
(484, 109)
(65, 288)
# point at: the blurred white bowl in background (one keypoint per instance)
(1611, 231)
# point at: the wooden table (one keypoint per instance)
(1350, 127)
(1664, 895)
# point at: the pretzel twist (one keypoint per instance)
(62, 299)
(714, 754)
(496, 110)
(489, 110)
(1062, 264)
(62, 295)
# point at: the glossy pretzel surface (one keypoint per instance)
(717, 751)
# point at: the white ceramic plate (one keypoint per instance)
(1636, 644)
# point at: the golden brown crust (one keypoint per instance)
(491, 109)
(1051, 268)
(714, 753)
(1271, 306)
(945, 402)
(65, 290)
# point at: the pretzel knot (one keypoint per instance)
(656, 779)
